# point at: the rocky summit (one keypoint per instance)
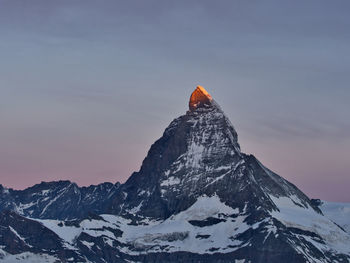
(196, 198)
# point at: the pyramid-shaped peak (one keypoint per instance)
(199, 98)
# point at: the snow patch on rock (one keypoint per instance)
(29, 257)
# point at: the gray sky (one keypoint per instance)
(87, 86)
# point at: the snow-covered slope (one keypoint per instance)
(209, 227)
(337, 212)
(27, 257)
(326, 237)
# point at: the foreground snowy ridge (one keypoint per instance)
(192, 231)
(207, 227)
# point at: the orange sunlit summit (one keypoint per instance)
(199, 97)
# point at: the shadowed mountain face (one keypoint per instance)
(196, 198)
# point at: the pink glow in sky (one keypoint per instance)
(86, 87)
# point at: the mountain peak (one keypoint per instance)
(199, 98)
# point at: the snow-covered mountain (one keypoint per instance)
(196, 198)
(337, 212)
(58, 200)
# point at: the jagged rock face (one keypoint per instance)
(197, 155)
(58, 200)
(193, 151)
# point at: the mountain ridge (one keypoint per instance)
(57, 199)
(196, 198)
